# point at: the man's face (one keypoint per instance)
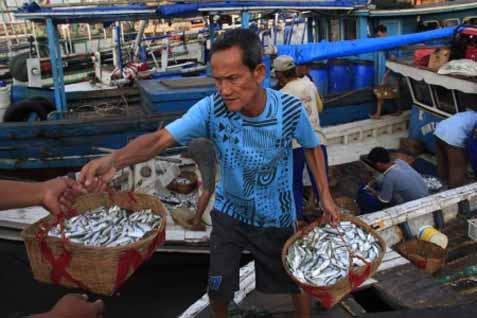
(280, 78)
(302, 70)
(380, 34)
(235, 82)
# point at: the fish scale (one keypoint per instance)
(111, 227)
(322, 258)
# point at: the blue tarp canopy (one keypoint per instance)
(305, 53)
(196, 7)
(32, 11)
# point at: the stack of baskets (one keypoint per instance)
(330, 295)
(101, 270)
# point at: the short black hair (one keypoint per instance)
(379, 154)
(380, 28)
(247, 40)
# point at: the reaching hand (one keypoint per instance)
(58, 194)
(331, 211)
(96, 174)
(75, 306)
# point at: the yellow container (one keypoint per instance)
(430, 234)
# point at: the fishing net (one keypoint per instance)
(101, 270)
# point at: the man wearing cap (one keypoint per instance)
(252, 129)
(285, 71)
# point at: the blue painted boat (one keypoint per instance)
(69, 142)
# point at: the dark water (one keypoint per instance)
(163, 287)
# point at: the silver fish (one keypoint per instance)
(108, 227)
(322, 257)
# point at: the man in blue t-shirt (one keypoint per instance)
(252, 129)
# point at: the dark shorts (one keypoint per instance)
(228, 239)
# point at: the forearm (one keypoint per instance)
(202, 203)
(316, 163)
(20, 194)
(142, 148)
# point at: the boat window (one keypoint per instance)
(466, 101)
(432, 24)
(451, 22)
(444, 99)
(334, 30)
(349, 29)
(470, 20)
(421, 92)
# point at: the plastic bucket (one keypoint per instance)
(363, 74)
(4, 99)
(429, 234)
(319, 74)
(340, 76)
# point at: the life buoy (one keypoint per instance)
(21, 111)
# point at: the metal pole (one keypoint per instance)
(137, 41)
(57, 67)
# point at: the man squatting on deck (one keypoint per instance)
(252, 129)
(304, 89)
(400, 182)
(56, 196)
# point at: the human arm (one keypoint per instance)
(386, 193)
(147, 146)
(202, 204)
(316, 162)
(74, 306)
(306, 136)
(55, 195)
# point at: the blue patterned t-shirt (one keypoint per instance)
(255, 155)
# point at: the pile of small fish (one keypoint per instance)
(432, 183)
(173, 200)
(108, 227)
(182, 181)
(322, 257)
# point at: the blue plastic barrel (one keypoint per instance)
(319, 75)
(363, 74)
(340, 76)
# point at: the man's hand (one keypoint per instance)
(58, 194)
(331, 212)
(74, 306)
(96, 174)
(196, 225)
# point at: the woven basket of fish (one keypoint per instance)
(99, 244)
(425, 255)
(328, 262)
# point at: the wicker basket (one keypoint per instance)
(331, 294)
(423, 254)
(101, 270)
(184, 188)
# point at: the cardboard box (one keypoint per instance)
(439, 58)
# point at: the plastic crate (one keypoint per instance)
(473, 229)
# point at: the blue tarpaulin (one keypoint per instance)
(305, 53)
(193, 8)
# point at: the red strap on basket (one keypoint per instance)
(326, 299)
(357, 279)
(131, 197)
(58, 266)
(132, 258)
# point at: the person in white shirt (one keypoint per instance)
(303, 88)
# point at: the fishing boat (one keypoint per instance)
(349, 135)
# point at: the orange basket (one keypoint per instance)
(101, 270)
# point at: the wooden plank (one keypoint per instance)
(459, 311)
(413, 209)
(407, 286)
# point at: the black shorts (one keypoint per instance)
(228, 239)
